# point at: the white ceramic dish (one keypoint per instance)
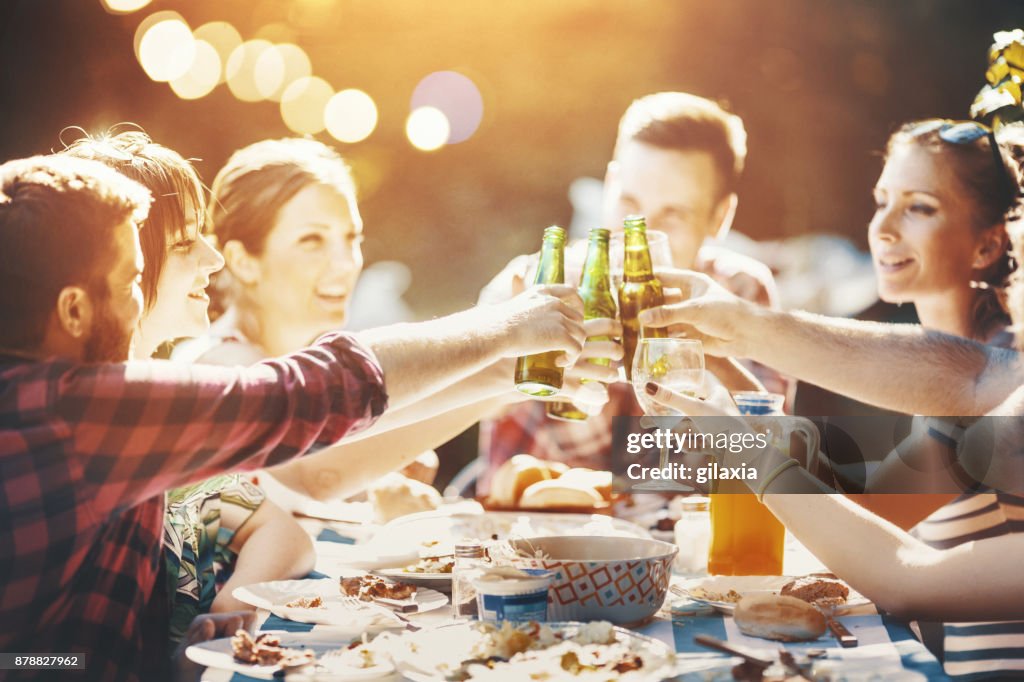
(435, 533)
(699, 590)
(619, 579)
(430, 655)
(217, 654)
(273, 596)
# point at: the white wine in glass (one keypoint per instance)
(677, 364)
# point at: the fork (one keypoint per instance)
(355, 604)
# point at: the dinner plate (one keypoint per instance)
(364, 556)
(273, 596)
(434, 534)
(217, 654)
(702, 590)
(432, 655)
(442, 582)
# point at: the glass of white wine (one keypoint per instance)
(676, 364)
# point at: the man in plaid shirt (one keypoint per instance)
(89, 442)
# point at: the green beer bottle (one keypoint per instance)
(598, 301)
(639, 290)
(537, 374)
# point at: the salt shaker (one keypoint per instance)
(469, 561)
(693, 536)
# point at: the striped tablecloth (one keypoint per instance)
(886, 646)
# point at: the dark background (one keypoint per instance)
(819, 83)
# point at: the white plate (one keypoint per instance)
(442, 582)
(364, 556)
(752, 584)
(435, 534)
(429, 655)
(217, 654)
(273, 596)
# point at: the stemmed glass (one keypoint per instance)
(677, 364)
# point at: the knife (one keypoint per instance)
(845, 638)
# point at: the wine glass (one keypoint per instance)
(677, 364)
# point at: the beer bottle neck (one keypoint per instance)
(551, 269)
(636, 266)
(595, 268)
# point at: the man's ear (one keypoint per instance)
(75, 312)
(611, 171)
(725, 211)
(242, 265)
(610, 192)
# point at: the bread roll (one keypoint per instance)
(515, 476)
(817, 590)
(559, 493)
(772, 616)
(395, 495)
(600, 481)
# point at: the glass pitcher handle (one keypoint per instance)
(812, 439)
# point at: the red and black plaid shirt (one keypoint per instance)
(86, 453)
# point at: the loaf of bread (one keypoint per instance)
(519, 473)
(395, 495)
(772, 616)
(600, 481)
(559, 493)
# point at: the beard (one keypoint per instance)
(109, 340)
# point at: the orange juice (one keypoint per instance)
(746, 538)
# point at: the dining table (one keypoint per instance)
(887, 648)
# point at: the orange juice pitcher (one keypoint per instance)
(746, 538)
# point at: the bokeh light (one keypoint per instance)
(303, 104)
(350, 116)
(151, 21)
(279, 66)
(203, 76)
(167, 49)
(427, 128)
(124, 6)
(457, 97)
(223, 37)
(241, 70)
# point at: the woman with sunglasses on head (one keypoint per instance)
(221, 533)
(939, 240)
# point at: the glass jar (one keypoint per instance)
(470, 558)
(693, 535)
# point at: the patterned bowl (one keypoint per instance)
(623, 580)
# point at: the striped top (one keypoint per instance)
(979, 650)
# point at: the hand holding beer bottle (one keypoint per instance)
(540, 374)
(639, 290)
(598, 303)
(542, 319)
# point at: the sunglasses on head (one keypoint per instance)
(968, 132)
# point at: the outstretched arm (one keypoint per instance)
(422, 358)
(900, 574)
(900, 367)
